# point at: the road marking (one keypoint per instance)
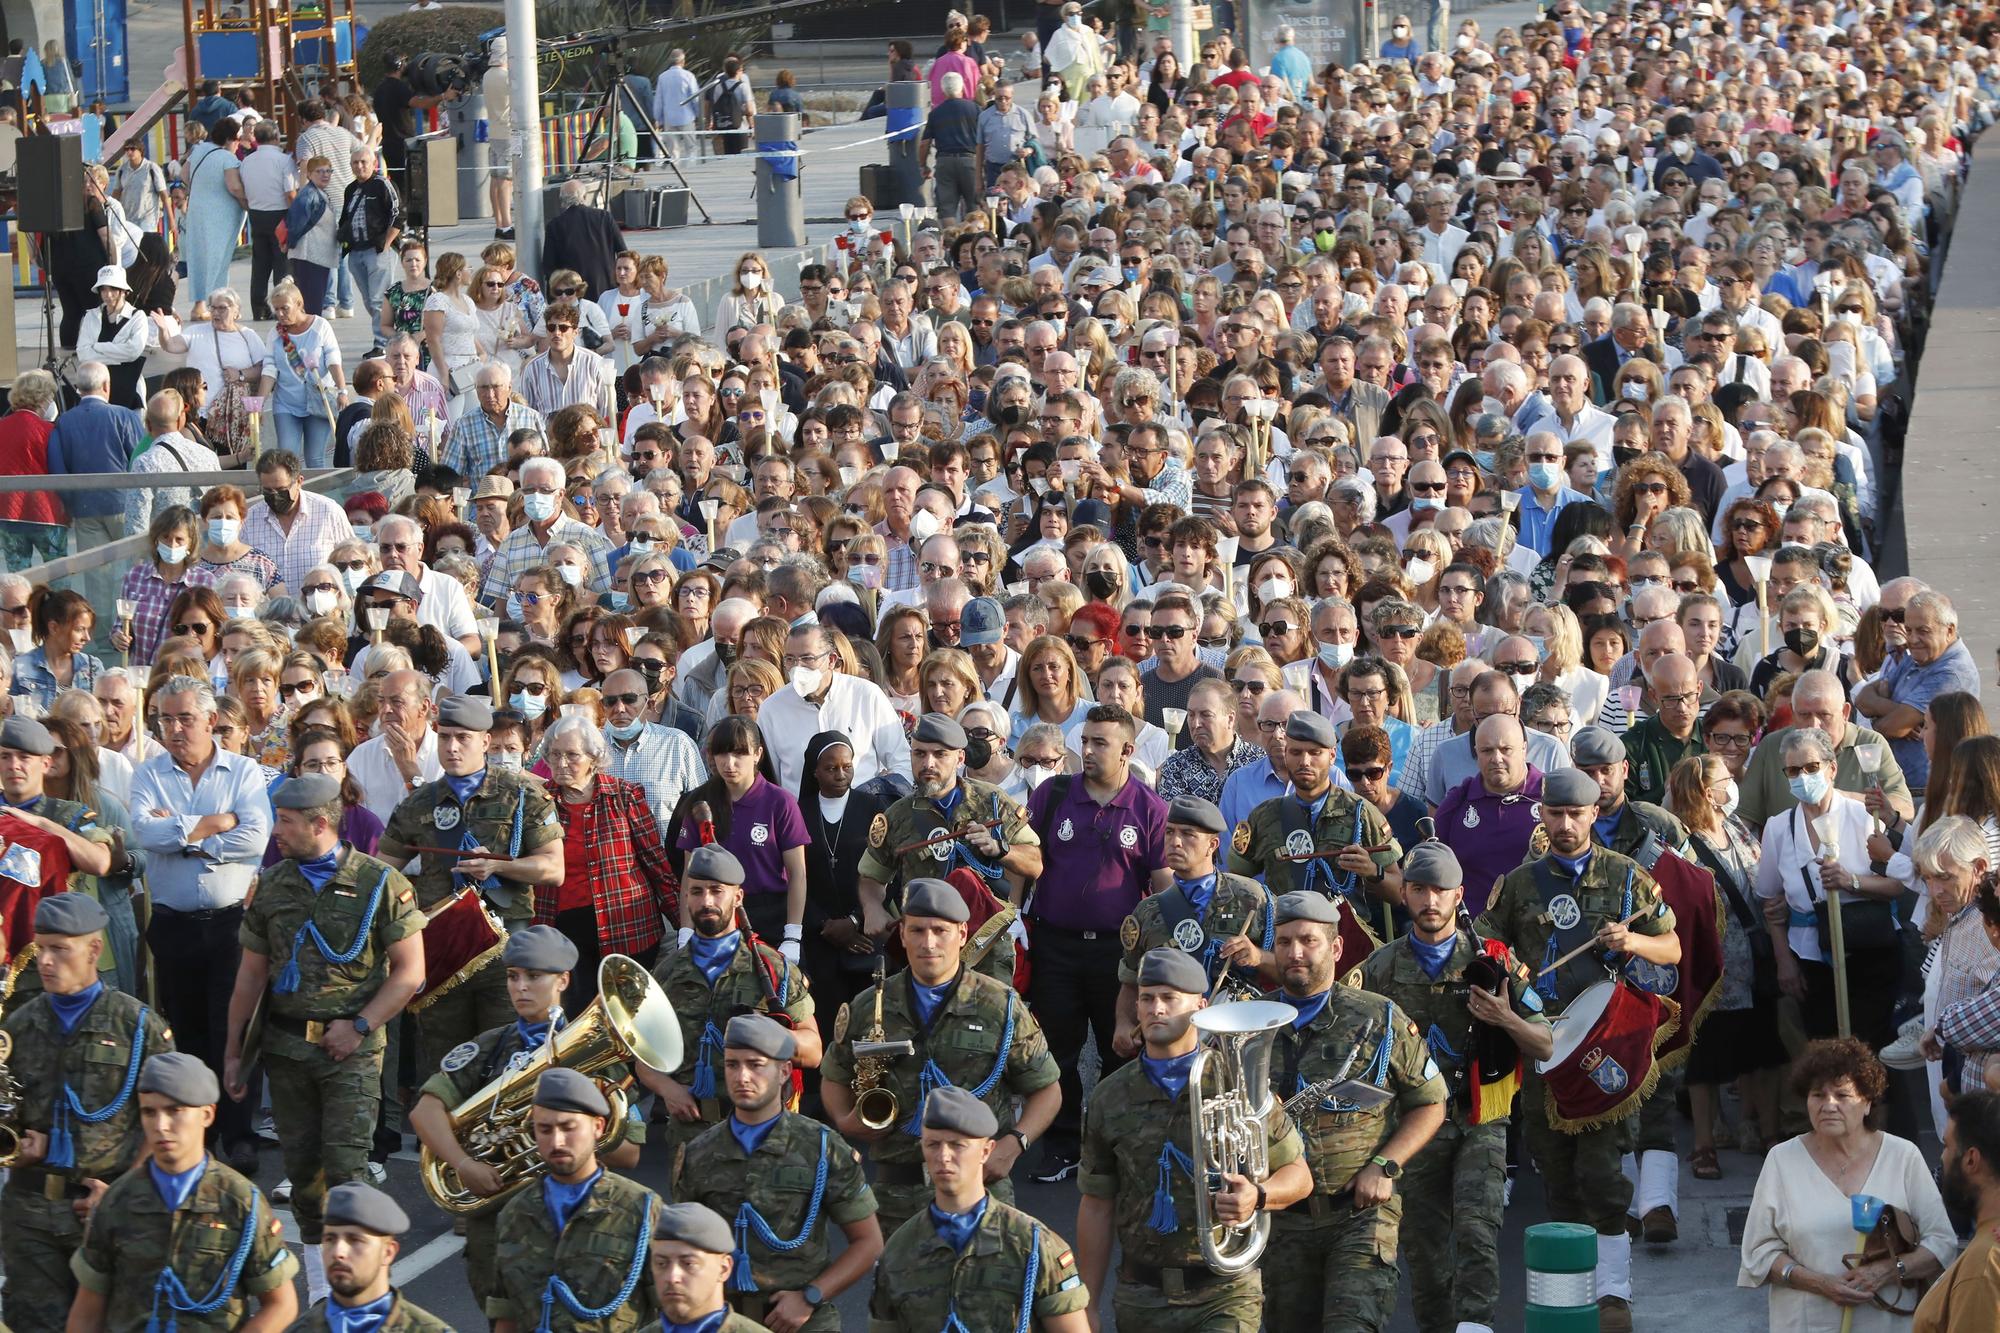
(427, 1257)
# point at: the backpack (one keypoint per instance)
(726, 105)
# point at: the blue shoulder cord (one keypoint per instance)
(466, 841)
(288, 976)
(933, 1077)
(1165, 1218)
(1270, 935)
(702, 1085)
(1377, 1071)
(953, 1324)
(62, 1140)
(1343, 883)
(748, 1219)
(169, 1286)
(1545, 980)
(558, 1288)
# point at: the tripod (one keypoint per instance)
(605, 120)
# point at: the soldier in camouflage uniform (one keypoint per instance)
(538, 962)
(964, 1029)
(691, 1270)
(77, 1039)
(971, 1261)
(1225, 920)
(164, 1238)
(945, 801)
(710, 980)
(1453, 1189)
(473, 807)
(1578, 893)
(1644, 832)
(783, 1179)
(1332, 1261)
(1316, 816)
(362, 1229)
(1138, 1178)
(576, 1248)
(332, 947)
(25, 747)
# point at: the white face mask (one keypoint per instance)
(751, 281)
(806, 680)
(1336, 655)
(352, 579)
(924, 525)
(1420, 571)
(1270, 590)
(570, 574)
(1730, 796)
(320, 603)
(1036, 774)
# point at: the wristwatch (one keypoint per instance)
(362, 1026)
(1390, 1168)
(813, 1296)
(1019, 1138)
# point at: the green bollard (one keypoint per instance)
(1562, 1278)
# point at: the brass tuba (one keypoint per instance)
(630, 1020)
(1229, 1123)
(874, 1104)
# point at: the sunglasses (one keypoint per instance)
(1276, 629)
(1174, 632)
(1080, 644)
(627, 700)
(1649, 488)
(1398, 632)
(1367, 772)
(305, 689)
(194, 627)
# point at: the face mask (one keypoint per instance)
(1730, 796)
(751, 281)
(1270, 590)
(979, 752)
(865, 576)
(364, 532)
(858, 224)
(924, 525)
(1420, 571)
(620, 601)
(1113, 326)
(570, 574)
(1073, 21)
(1426, 502)
(1804, 642)
(1621, 454)
(1101, 584)
(1545, 476)
(725, 653)
(625, 731)
(515, 611)
(530, 706)
(321, 603)
(1810, 788)
(222, 531)
(1681, 147)
(1486, 461)
(1336, 655)
(1541, 648)
(47, 411)
(1464, 42)
(1131, 273)
(506, 763)
(1037, 774)
(171, 555)
(238, 612)
(1634, 391)
(976, 400)
(539, 508)
(806, 680)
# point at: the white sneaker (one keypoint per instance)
(283, 1193)
(378, 1174)
(344, 311)
(1906, 1051)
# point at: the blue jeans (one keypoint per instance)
(370, 269)
(311, 438)
(344, 287)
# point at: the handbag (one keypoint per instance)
(1895, 1237)
(1867, 923)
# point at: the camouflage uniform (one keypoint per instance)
(915, 819)
(1453, 1189)
(779, 1181)
(81, 819)
(1236, 906)
(1282, 827)
(404, 1317)
(38, 1230)
(132, 1237)
(921, 1282)
(325, 1108)
(1330, 1266)
(1642, 832)
(593, 1254)
(509, 814)
(967, 1040)
(1163, 1283)
(1580, 1171)
(466, 1069)
(704, 1012)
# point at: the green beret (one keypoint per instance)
(1592, 746)
(935, 898)
(956, 1111)
(183, 1079)
(1432, 863)
(307, 791)
(539, 949)
(715, 862)
(464, 713)
(939, 729)
(1193, 812)
(26, 735)
(1568, 787)
(1171, 967)
(1309, 727)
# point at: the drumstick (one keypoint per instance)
(1587, 945)
(463, 855)
(1335, 853)
(948, 837)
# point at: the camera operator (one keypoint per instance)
(396, 105)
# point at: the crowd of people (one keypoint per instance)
(1395, 540)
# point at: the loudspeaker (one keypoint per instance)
(633, 207)
(49, 171)
(433, 181)
(670, 207)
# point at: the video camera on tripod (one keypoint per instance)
(436, 73)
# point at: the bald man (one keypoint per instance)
(1655, 744)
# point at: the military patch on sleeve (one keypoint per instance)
(1067, 1259)
(1430, 1068)
(878, 830)
(1128, 934)
(405, 895)
(840, 1024)
(1239, 841)
(1531, 999)
(458, 1057)
(1070, 1283)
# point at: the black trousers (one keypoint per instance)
(580, 925)
(1073, 989)
(195, 957)
(268, 263)
(1872, 988)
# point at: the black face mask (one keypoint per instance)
(978, 751)
(652, 669)
(1201, 414)
(725, 653)
(281, 502)
(1101, 584)
(1621, 454)
(1009, 416)
(1804, 642)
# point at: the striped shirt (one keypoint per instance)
(479, 444)
(663, 761)
(522, 550)
(318, 525)
(589, 379)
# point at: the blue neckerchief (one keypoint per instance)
(955, 1229)
(1432, 957)
(70, 1009)
(712, 956)
(1169, 1075)
(1314, 807)
(1606, 825)
(1197, 891)
(562, 1200)
(751, 1137)
(949, 801)
(28, 805)
(708, 1323)
(1308, 1006)
(930, 997)
(1575, 866)
(534, 1034)
(359, 1318)
(462, 788)
(175, 1187)
(321, 868)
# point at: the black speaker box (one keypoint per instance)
(49, 171)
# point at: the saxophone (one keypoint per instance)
(874, 1104)
(1313, 1093)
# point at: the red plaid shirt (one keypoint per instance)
(631, 882)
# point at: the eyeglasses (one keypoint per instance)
(1803, 770)
(1253, 686)
(1174, 632)
(1682, 700)
(1398, 632)
(1269, 725)
(1276, 629)
(194, 627)
(1080, 644)
(1728, 740)
(536, 688)
(1367, 772)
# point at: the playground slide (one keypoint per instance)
(159, 102)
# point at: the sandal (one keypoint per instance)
(1706, 1167)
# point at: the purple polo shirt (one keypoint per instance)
(1489, 834)
(763, 826)
(1097, 860)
